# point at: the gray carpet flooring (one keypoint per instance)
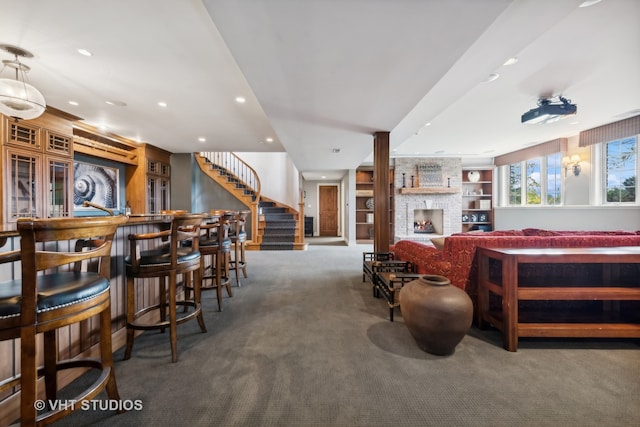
(304, 343)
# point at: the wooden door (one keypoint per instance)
(328, 208)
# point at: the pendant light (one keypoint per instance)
(18, 99)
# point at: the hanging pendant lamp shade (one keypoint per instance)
(17, 97)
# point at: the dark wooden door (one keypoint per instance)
(328, 210)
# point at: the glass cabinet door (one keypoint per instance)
(23, 186)
(59, 195)
(152, 207)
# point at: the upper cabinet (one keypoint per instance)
(37, 163)
(148, 183)
(477, 199)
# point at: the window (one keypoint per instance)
(515, 184)
(554, 179)
(533, 182)
(620, 158)
(542, 178)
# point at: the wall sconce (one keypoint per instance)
(572, 163)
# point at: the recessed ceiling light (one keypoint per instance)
(240, 99)
(116, 103)
(491, 77)
(511, 61)
(269, 140)
(427, 124)
(202, 139)
(588, 3)
(162, 104)
(323, 177)
(73, 103)
(84, 52)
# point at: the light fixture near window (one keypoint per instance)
(572, 163)
(18, 98)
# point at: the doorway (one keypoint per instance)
(328, 210)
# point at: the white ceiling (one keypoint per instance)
(320, 75)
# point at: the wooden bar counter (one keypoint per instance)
(77, 339)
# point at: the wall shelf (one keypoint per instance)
(430, 190)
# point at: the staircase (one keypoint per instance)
(278, 227)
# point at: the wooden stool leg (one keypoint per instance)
(28, 376)
(131, 316)
(173, 330)
(219, 279)
(227, 259)
(243, 260)
(197, 298)
(236, 261)
(106, 353)
(50, 364)
(163, 301)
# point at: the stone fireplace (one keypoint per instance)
(438, 201)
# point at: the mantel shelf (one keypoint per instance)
(430, 190)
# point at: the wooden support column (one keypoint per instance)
(381, 194)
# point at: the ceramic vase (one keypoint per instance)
(437, 314)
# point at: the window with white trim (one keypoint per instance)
(620, 170)
(542, 178)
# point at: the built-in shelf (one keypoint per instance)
(429, 190)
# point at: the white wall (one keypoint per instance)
(561, 218)
(279, 178)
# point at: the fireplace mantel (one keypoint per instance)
(430, 190)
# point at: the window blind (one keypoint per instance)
(540, 150)
(611, 132)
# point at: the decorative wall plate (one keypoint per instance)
(473, 176)
(369, 203)
(465, 218)
(482, 217)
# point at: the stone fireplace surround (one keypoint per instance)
(405, 205)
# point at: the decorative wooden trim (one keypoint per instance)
(430, 190)
(105, 151)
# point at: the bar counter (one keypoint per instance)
(80, 338)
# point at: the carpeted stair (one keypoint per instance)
(233, 180)
(280, 228)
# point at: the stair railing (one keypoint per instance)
(246, 175)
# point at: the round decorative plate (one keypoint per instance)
(369, 203)
(474, 176)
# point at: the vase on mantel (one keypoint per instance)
(437, 314)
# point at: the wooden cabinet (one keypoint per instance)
(158, 185)
(364, 205)
(477, 199)
(37, 160)
(149, 182)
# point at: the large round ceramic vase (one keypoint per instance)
(437, 314)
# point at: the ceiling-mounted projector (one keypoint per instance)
(548, 112)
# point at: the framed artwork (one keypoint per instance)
(96, 184)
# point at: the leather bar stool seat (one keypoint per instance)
(168, 259)
(55, 292)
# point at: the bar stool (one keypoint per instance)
(215, 247)
(238, 235)
(168, 259)
(54, 292)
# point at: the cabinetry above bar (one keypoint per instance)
(430, 190)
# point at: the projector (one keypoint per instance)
(548, 112)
